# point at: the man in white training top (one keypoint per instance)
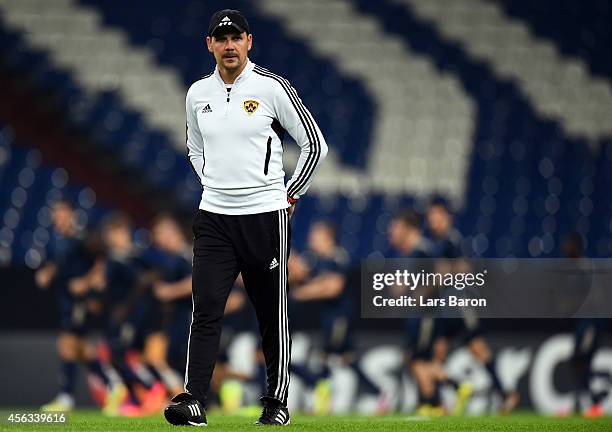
(236, 118)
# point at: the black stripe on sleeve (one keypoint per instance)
(307, 122)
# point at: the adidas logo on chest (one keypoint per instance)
(206, 109)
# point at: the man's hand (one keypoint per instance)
(78, 286)
(290, 210)
(164, 291)
(292, 202)
(298, 269)
(326, 286)
(44, 276)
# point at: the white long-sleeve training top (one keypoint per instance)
(234, 138)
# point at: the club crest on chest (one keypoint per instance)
(250, 106)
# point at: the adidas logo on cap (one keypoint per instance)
(225, 22)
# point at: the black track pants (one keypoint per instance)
(224, 245)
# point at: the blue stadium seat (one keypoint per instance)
(323, 89)
(528, 183)
(27, 188)
(579, 29)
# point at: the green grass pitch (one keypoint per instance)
(94, 421)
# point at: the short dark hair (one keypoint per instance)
(440, 201)
(410, 217)
(164, 217)
(63, 202)
(117, 220)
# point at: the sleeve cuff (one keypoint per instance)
(291, 200)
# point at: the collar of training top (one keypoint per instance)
(243, 75)
(227, 21)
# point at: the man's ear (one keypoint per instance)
(209, 44)
(250, 41)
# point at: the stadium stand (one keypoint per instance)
(518, 197)
(113, 128)
(558, 88)
(499, 106)
(341, 106)
(579, 30)
(409, 93)
(521, 196)
(28, 188)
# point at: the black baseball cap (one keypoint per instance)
(227, 21)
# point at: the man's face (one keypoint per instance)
(118, 238)
(403, 236)
(320, 238)
(62, 216)
(167, 236)
(396, 233)
(230, 49)
(439, 220)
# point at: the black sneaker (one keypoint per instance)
(273, 414)
(185, 411)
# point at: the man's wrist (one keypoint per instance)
(291, 200)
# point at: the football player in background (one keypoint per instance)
(73, 272)
(128, 306)
(167, 349)
(406, 237)
(447, 249)
(319, 275)
(587, 339)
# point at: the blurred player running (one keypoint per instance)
(587, 339)
(323, 278)
(71, 272)
(423, 354)
(447, 249)
(406, 238)
(128, 278)
(167, 350)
